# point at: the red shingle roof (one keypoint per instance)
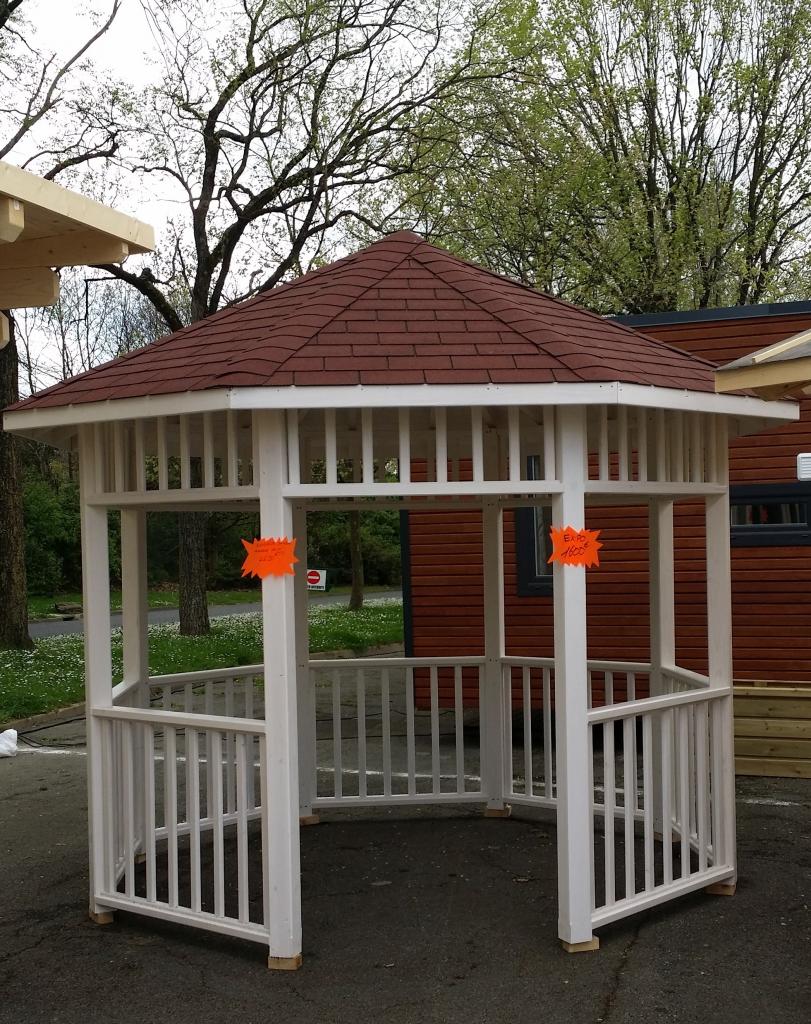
(401, 311)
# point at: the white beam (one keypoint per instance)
(719, 637)
(305, 692)
(280, 803)
(757, 413)
(574, 754)
(493, 709)
(98, 670)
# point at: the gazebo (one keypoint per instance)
(402, 377)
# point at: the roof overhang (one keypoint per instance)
(43, 226)
(778, 371)
(57, 424)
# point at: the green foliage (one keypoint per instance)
(51, 516)
(51, 675)
(649, 155)
(328, 546)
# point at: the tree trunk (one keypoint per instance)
(356, 559)
(193, 601)
(14, 599)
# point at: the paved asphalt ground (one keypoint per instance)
(52, 627)
(436, 916)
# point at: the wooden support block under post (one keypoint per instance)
(284, 963)
(589, 946)
(721, 889)
(498, 812)
(309, 819)
(103, 917)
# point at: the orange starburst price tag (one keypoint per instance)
(575, 547)
(269, 556)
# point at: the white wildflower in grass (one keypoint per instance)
(51, 675)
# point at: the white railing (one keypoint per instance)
(184, 755)
(183, 791)
(676, 739)
(528, 686)
(232, 692)
(393, 731)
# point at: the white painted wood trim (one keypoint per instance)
(574, 797)
(280, 825)
(305, 692)
(492, 712)
(410, 396)
(98, 667)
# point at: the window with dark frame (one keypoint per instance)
(533, 545)
(761, 515)
(770, 515)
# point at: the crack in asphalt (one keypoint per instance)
(616, 979)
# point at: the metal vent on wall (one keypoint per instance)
(804, 466)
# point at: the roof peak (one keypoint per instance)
(399, 312)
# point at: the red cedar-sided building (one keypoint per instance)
(771, 543)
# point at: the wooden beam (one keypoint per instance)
(78, 249)
(12, 219)
(74, 210)
(21, 288)
(5, 331)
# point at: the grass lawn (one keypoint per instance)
(52, 674)
(40, 607)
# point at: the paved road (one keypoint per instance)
(435, 916)
(55, 627)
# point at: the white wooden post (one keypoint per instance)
(280, 810)
(662, 630)
(492, 712)
(719, 637)
(98, 671)
(305, 691)
(134, 621)
(574, 754)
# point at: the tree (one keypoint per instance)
(46, 111)
(276, 121)
(653, 155)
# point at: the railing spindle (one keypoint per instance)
(337, 753)
(548, 771)
(648, 798)
(459, 727)
(361, 684)
(527, 695)
(609, 803)
(629, 801)
(170, 807)
(243, 893)
(385, 726)
(410, 751)
(193, 814)
(435, 774)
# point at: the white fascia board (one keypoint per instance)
(26, 421)
(706, 401)
(420, 396)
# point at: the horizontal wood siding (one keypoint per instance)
(771, 586)
(773, 731)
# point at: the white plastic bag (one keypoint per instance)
(8, 743)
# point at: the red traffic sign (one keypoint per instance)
(313, 577)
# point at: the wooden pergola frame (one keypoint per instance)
(278, 450)
(43, 226)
